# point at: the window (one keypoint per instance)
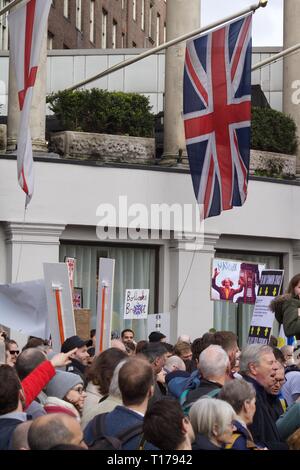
(134, 10)
(3, 27)
(157, 29)
(92, 20)
(114, 35)
(104, 29)
(143, 15)
(50, 41)
(78, 15)
(66, 8)
(141, 275)
(165, 32)
(150, 20)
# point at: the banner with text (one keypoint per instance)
(235, 281)
(136, 304)
(263, 318)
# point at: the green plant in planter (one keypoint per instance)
(102, 111)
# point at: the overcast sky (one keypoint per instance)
(267, 22)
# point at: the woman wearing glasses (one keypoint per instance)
(65, 394)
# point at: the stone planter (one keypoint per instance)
(105, 148)
(264, 161)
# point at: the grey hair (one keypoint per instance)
(114, 389)
(213, 362)
(236, 393)
(206, 414)
(252, 354)
(174, 361)
(286, 348)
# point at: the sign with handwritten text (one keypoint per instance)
(136, 304)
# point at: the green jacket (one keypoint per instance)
(287, 312)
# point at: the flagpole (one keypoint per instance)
(11, 5)
(275, 57)
(149, 52)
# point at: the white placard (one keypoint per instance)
(263, 317)
(57, 279)
(136, 304)
(23, 308)
(105, 303)
(159, 322)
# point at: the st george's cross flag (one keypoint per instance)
(217, 115)
(26, 32)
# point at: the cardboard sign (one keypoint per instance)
(70, 262)
(136, 304)
(263, 318)
(59, 300)
(23, 308)
(159, 322)
(235, 281)
(105, 303)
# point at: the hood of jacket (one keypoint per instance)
(277, 304)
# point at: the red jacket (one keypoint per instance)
(34, 383)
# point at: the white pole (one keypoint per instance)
(275, 57)
(143, 55)
(11, 5)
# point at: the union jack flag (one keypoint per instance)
(217, 115)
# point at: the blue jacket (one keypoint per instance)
(179, 381)
(117, 421)
(7, 427)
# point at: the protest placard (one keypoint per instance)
(159, 322)
(136, 304)
(104, 304)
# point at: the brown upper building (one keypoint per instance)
(101, 24)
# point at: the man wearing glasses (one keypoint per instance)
(12, 350)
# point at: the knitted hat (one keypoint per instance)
(62, 383)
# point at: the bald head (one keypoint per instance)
(52, 430)
(28, 360)
(174, 363)
(116, 343)
(20, 436)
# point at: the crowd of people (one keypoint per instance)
(200, 395)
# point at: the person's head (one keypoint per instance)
(54, 429)
(67, 386)
(34, 342)
(81, 355)
(156, 355)
(184, 339)
(294, 285)
(273, 341)
(241, 395)
(288, 353)
(184, 351)
(141, 345)
(20, 436)
(136, 381)
(258, 361)
(166, 427)
(11, 392)
(279, 356)
(174, 363)
(13, 350)
(214, 364)
(114, 389)
(213, 418)
(227, 283)
(118, 344)
(28, 360)
(294, 440)
(127, 335)
(102, 368)
(170, 349)
(130, 348)
(156, 336)
(279, 381)
(228, 341)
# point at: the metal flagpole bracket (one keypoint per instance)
(263, 3)
(57, 287)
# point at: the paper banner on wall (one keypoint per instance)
(23, 308)
(60, 305)
(235, 281)
(70, 262)
(263, 318)
(159, 322)
(105, 303)
(136, 304)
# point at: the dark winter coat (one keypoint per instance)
(203, 443)
(287, 311)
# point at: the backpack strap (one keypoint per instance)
(213, 393)
(130, 432)
(98, 426)
(182, 398)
